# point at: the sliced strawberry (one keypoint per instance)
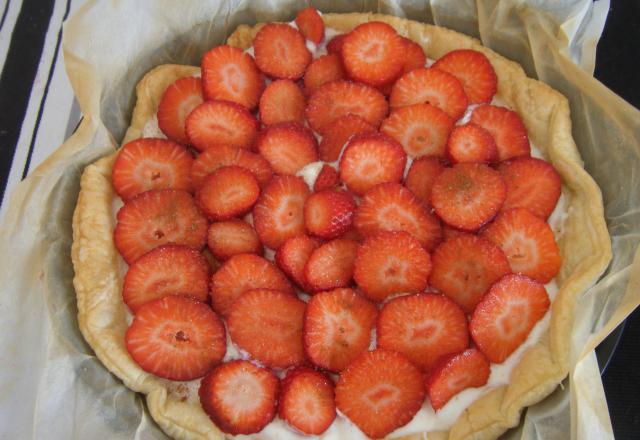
(415, 57)
(282, 101)
(176, 338)
(421, 177)
(228, 192)
(379, 392)
(507, 129)
(327, 178)
(281, 51)
(370, 159)
(339, 98)
(392, 207)
(232, 237)
(307, 401)
(239, 397)
(532, 184)
(475, 72)
(158, 217)
(177, 101)
(335, 44)
(339, 132)
(389, 263)
(468, 195)
(465, 267)
(310, 24)
(329, 213)
(373, 53)
(423, 327)
(229, 74)
(218, 156)
(331, 265)
(279, 212)
(293, 255)
(528, 243)
(241, 273)
(471, 143)
(288, 147)
(505, 316)
(322, 70)
(221, 122)
(448, 232)
(469, 369)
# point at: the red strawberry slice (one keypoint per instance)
(422, 129)
(338, 133)
(468, 195)
(532, 184)
(337, 328)
(281, 51)
(145, 164)
(505, 316)
(469, 369)
(329, 214)
(239, 397)
(293, 255)
(448, 232)
(471, 143)
(158, 217)
(288, 147)
(267, 324)
(176, 338)
(506, 128)
(528, 243)
(465, 267)
(307, 401)
(379, 392)
(322, 70)
(335, 44)
(431, 86)
(225, 155)
(421, 177)
(331, 265)
(228, 192)
(423, 327)
(327, 178)
(389, 263)
(370, 159)
(415, 57)
(475, 72)
(232, 237)
(310, 24)
(221, 122)
(166, 270)
(373, 53)
(282, 101)
(177, 101)
(241, 273)
(279, 212)
(392, 207)
(229, 74)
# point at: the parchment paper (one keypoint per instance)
(51, 385)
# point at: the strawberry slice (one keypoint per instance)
(282, 101)
(379, 392)
(225, 155)
(228, 192)
(339, 98)
(279, 212)
(158, 217)
(448, 232)
(339, 132)
(373, 53)
(423, 327)
(293, 255)
(221, 122)
(415, 57)
(281, 51)
(528, 243)
(145, 164)
(337, 328)
(288, 147)
(322, 70)
(469, 369)
(267, 324)
(327, 178)
(331, 265)
(310, 24)
(239, 397)
(532, 184)
(392, 207)
(177, 101)
(505, 316)
(166, 270)
(468, 195)
(506, 128)
(421, 177)
(232, 237)
(471, 143)
(176, 338)
(229, 74)
(329, 214)
(370, 159)
(335, 44)
(389, 263)
(307, 401)
(465, 267)
(241, 273)
(475, 72)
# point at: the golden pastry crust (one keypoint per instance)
(584, 245)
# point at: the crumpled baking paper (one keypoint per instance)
(51, 384)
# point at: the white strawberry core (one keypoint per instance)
(381, 396)
(243, 394)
